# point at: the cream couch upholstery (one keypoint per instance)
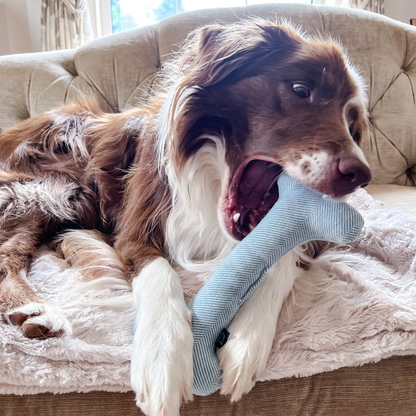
(118, 70)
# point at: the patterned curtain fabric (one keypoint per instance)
(66, 24)
(376, 6)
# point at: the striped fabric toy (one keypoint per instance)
(300, 215)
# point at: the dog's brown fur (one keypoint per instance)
(109, 164)
(89, 153)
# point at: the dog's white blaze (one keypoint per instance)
(309, 167)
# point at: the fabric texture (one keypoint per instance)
(300, 215)
(65, 24)
(359, 308)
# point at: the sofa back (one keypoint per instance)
(118, 70)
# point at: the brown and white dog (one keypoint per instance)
(176, 184)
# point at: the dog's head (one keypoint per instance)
(275, 100)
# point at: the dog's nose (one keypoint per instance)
(352, 174)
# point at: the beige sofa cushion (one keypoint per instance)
(395, 196)
(118, 70)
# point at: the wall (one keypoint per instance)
(34, 12)
(20, 26)
(4, 34)
(402, 10)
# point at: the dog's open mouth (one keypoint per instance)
(252, 194)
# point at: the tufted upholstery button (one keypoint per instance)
(410, 175)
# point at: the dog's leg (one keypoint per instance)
(29, 208)
(243, 358)
(161, 367)
(19, 304)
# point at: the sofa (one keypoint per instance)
(118, 70)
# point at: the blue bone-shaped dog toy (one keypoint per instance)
(300, 215)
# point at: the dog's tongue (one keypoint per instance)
(256, 180)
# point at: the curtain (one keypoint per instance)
(376, 6)
(66, 24)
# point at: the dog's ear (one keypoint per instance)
(229, 53)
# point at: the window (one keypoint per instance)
(128, 14)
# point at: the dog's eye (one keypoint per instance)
(301, 90)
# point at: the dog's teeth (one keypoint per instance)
(252, 227)
(236, 217)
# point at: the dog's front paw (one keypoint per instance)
(39, 320)
(243, 358)
(161, 365)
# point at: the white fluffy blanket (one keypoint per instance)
(359, 309)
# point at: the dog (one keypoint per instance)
(172, 187)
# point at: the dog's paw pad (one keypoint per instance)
(39, 321)
(39, 331)
(17, 318)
